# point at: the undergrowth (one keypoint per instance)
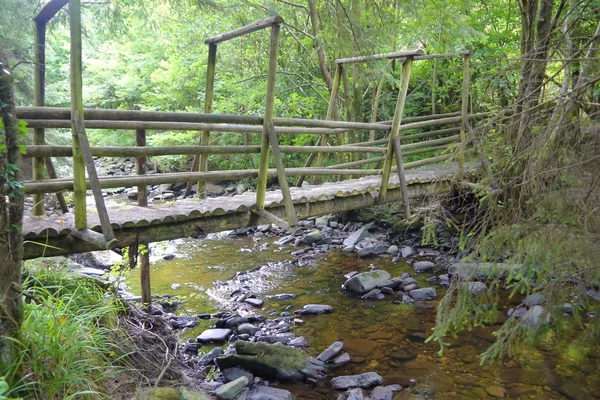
(67, 340)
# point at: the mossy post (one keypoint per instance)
(463, 117)
(144, 260)
(142, 190)
(201, 160)
(263, 166)
(79, 188)
(39, 79)
(395, 131)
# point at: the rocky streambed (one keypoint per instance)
(339, 309)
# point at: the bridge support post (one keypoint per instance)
(395, 131)
(201, 160)
(463, 117)
(270, 137)
(142, 190)
(144, 260)
(331, 108)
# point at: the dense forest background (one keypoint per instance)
(537, 207)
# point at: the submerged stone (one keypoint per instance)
(423, 266)
(381, 393)
(474, 288)
(269, 393)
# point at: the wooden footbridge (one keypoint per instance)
(109, 225)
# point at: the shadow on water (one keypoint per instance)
(380, 336)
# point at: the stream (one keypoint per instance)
(379, 335)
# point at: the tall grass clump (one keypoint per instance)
(67, 342)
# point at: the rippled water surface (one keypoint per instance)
(379, 335)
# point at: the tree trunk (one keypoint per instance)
(11, 218)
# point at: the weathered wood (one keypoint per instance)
(485, 163)
(395, 131)
(445, 140)
(401, 176)
(309, 161)
(425, 150)
(405, 138)
(144, 261)
(46, 114)
(51, 186)
(403, 58)
(420, 118)
(79, 208)
(201, 160)
(463, 117)
(397, 54)
(357, 163)
(133, 151)
(96, 239)
(425, 161)
(253, 27)
(95, 183)
(59, 196)
(272, 218)
(49, 10)
(140, 165)
(39, 82)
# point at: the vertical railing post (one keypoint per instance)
(263, 165)
(395, 130)
(39, 79)
(79, 187)
(142, 190)
(463, 117)
(201, 160)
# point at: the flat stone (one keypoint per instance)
(331, 352)
(231, 390)
(366, 380)
(371, 294)
(349, 249)
(393, 249)
(350, 274)
(366, 281)
(406, 282)
(254, 302)
(423, 294)
(496, 391)
(382, 393)
(532, 317)
(269, 393)
(355, 394)
(372, 251)
(357, 236)
(314, 309)
(247, 329)
(321, 222)
(232, 322)
(214, 335)
(410, 287)
(233, 373)
(283, 338)
(423, 266)
(282, 296)
(342, 359)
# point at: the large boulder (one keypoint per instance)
(366, 281)
(278, 362)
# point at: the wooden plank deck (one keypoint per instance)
(193, 217)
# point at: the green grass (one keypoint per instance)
(67, 344)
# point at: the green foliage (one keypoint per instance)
(67, 345)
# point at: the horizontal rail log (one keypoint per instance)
(425, 150)
(404, 138)
(256, 26)
(443, 121)
(357, 163)
(93, 114)
(423, 118)
(133, 151)
(393, 55)
(401, 57)
(445, 140)
(56, 185)
(425, 161)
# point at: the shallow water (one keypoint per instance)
(379, 335)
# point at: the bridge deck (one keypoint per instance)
(189, 217)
